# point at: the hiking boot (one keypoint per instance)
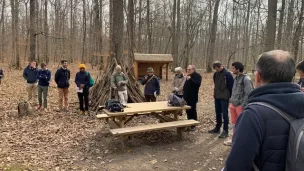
(214, 131)
(224, 134)
(228, 142)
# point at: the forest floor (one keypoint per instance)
(68, 141)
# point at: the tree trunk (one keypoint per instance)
(212, 40)
(131, 31)
(297, 34)
(280, 29)
(71, 32)
(149, 31)
(178, 28)
(139, 27)
(118, 27)
(289, 25)
(84, 27)
(32, 56)
(271, 25)
(46, 32)
(247, 36)
(173, 34)
(3, 31)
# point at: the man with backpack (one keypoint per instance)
(62, 79)
(1, 75)
(82, 80)
(269, 132)
(44, 77)
(242, 86)
(30, 75)
(152, 88)
(119, 82)
(191, 89)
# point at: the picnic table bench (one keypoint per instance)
(167, 115)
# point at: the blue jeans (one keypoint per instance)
(221, 110)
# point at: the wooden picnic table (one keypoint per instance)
(167, 115)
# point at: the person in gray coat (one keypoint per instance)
(242, 86)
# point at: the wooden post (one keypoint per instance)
(167, 70)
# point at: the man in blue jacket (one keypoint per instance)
(261, 134)
(44, 77)
(152, 88)
(30, 75)
(82, 80)
(223, 83)
(62, 78)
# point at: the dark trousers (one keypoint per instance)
(221, 110)
(150, 98)
(84, 96)
(191, 113)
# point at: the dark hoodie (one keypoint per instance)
(261, 135)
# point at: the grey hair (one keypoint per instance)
(118, 67)
(194, 68)
(276, 66)
(178, 69)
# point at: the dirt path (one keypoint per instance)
(67, 141)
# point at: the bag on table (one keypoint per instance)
(174, 100)
(114, 106)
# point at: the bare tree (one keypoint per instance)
(211, 44)
(118, 27)
(32, 30)
(46, 32)
(149, 30)
(297, 34)
(131, 39)
(3, 30)
(271, 25)
(280, 29)
(84, 32)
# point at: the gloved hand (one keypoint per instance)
(175, 88)
(155, 95)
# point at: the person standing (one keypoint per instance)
(1, 75)
(178, 82)
(82, 80)
(242, 86)
(119, 82)
(300, 70)
(62, 78)
(44, 77)
(191, 89)
(30, 75)
(223, 83)
(261, 139)
(152, 88)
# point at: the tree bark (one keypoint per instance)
(289, 24)
(212, 40)
(131, 30)
(173, 34)
(2, 31)
(149, 30)
(84, 32)
(118, 27)
(271, 25)
(280, 29)
(46, 32)
(139, 27)
(32, 55)
(297, 34)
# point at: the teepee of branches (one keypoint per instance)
(102, 91)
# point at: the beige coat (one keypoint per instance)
(178, 82)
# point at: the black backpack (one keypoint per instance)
(114, 106)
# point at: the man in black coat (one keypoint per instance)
(191, 89)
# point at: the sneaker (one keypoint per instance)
(86, 113)
(39, 108)
(228, 142)
(80, 112)
(224, 134)
(214, 131)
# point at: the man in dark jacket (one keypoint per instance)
(82, 80)
(30, 75)
(152, 88)
(62, 78)
(261, 134)
(44, 77)
(223, 83)
(191, 89)
(300, 69)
